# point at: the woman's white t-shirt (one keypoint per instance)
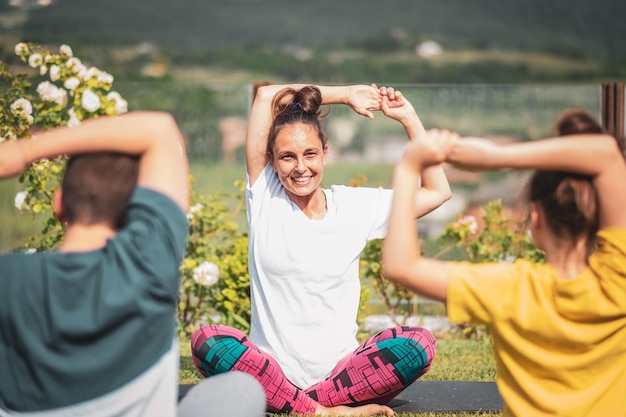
(304, 273)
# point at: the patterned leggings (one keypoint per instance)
(375, 372)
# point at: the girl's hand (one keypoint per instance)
(430, 148)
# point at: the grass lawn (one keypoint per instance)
(456, 360)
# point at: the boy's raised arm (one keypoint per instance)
(153, 136)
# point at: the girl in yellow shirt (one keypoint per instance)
(559, 328)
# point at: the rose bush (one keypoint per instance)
(498, 238)
(214, 284)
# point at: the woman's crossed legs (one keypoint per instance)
(375, 372)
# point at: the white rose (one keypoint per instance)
(66, 50)
(50, 92)
(90, 101)
(105, 78)
(88, 73)
(71, 83)
(20, 201)
(43, 70)
(21, 107)
(74, 120)
(196, 207)
(73, 63)
(55, 72)
(60, 97)
(81, 71)
(21, 49)
(206, 274)
(35, 60)
(45, 90)
(121, 106)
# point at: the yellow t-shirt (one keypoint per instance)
(560, 344)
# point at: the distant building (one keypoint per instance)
(427, 49)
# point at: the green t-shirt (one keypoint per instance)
(75, 326)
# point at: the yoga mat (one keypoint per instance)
(448, 397)
(436, 396)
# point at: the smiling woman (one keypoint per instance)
(297, 148)
(304, 247)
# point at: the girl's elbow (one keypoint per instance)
(394, 273)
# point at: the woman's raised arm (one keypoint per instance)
(362, 99)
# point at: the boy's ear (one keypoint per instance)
(57, 207)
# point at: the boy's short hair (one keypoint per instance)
(97, 187)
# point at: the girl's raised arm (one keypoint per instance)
(596, 155)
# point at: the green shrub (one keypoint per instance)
(214, 284)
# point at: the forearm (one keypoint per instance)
(402, 261)
(413, 126)
(580, 153)
(330, 94)
(401, 245)
(132, 133)
(433, 191)
(153, 136)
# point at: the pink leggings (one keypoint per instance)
(375, 372)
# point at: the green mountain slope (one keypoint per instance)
(568, 27)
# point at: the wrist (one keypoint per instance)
(23, 146)
(405, 168)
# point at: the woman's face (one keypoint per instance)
(299, 159)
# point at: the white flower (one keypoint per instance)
(66, 50)
(73, 63)
(20, 201)
(30, 251)
(81, 71)
(71, 83)
(50, 92)
(471, 223)
(74, 120)
(21, 49)
(35, 60)
(22, 108)
(206, 273)
(105, 78)
(43, 70)
(90, 101)
(55, 71)
(196, 207)
(47, 58)
(88, 73)
(121, 106)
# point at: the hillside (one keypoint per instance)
(338, 41)
(561, 27)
